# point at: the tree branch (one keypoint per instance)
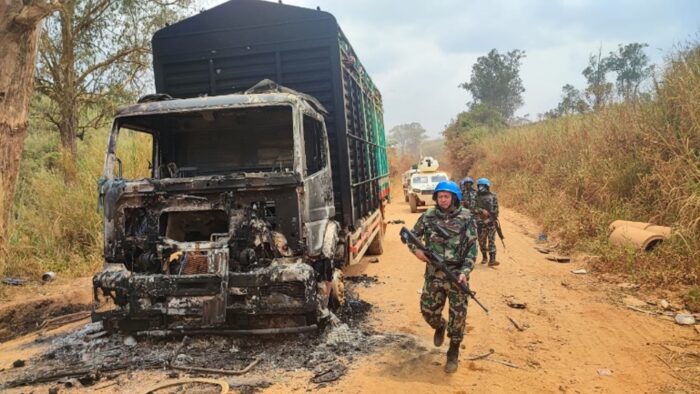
(31, 14)
(107, 62)
(92, 15)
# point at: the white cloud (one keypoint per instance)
(418, 52)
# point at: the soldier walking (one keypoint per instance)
(486, 217)
(455, 240)
(468, 194)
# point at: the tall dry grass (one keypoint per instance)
(634, 161)
(55, 225)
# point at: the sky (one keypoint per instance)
(418, 52)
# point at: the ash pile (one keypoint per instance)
(90, 355)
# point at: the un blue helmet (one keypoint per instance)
(483, 181)
(447, 186)
(467, 180)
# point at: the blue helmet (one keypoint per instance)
(467, 180)
(483, 181)
(448, 186)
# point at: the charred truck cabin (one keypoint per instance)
(256, 192)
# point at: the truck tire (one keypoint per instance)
(405, 196)
(413, 203)
(377, 246)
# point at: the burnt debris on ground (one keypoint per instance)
(364, 280)
(31, 316)
(89, 354)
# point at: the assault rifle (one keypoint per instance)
(500, 233)
(438, 262)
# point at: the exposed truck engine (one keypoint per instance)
(257, 194)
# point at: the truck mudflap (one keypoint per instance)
(279, 295)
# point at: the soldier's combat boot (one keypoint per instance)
(492, 260)
(439, 336)
(452, 358)
(484, 258)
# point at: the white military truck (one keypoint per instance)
(422, 183)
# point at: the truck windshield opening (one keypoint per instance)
(213, 142)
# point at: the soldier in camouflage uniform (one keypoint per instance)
(468, 194)
(459, 249)
(486, 215)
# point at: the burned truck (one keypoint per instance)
(267, 174)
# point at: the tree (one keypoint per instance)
(463, 134)
(407, 139)
(598, 90)
(632, 67)
(572, 102)
(19, 32)
(92, 54)
(495, 81)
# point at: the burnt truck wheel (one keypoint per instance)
(377, 246)
(413, 203)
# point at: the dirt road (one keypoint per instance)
(577, 338)
(574, 328)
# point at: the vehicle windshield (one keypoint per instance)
(256, 139)
(417, 180)
(437, 178)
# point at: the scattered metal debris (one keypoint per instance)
(504, 362)
(480, 356)
(14, 281)
(65, 319)
(329, 373)
(628, 286)
(516, 304)
(87, 354)
(580, 271)
(558, 259)
(180, 382)
(397, 221)
(19, 364)
(515, 323)
(542, 250)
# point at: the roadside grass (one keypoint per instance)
(634, 161)
(55, 225)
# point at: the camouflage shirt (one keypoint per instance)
(459, 249)
(489, 202)
(469, 199)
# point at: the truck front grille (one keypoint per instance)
(291, 289)
(195, 263)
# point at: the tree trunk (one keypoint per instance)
(19, 32)
(68, 120)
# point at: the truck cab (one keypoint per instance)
(224, 229)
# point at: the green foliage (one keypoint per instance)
(692, 299)
(463, 134)
(572, 102)
(56, 226)
(495, 82)
(407, 139)
(94, 56)
(633, 161)
(598, 89)
(631, 65)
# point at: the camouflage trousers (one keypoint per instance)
(486, 234)
(432, 300)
